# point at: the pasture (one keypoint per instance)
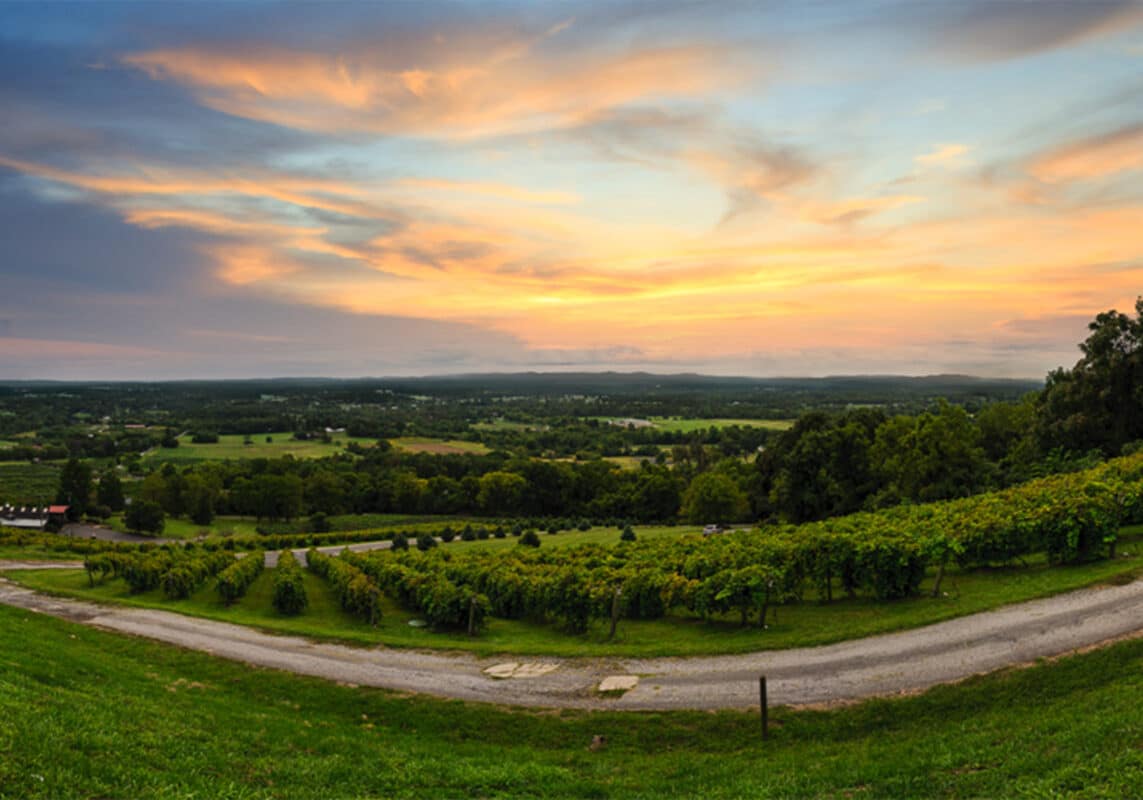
(262, 445)
(424, 444)
(685, 425)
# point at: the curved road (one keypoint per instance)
(882, 665)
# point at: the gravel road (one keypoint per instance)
(882, 665)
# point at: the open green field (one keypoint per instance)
(681, 425)
(424, 444)
(505, 425)
(798, 625)
(84, 713)
(595, 535)
(232, 446)
(691, 424)
(183, 528)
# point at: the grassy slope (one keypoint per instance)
(798, 625)
(89, 714)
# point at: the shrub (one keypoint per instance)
(426, 541)
(355, 590)
(628, 534)
(530, 539)
(236, 579)
(289, 586)
(400, 542)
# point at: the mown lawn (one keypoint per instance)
(85, 713)
(798, 625)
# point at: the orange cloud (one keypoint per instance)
(146, 179)
(1094, 157)
(454, 93)
(495, 190)
(246, 264)
(945, 154)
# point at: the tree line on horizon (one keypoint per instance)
(827, 464)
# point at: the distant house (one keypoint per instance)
(28, 517)
(33, 518)
(631, 422)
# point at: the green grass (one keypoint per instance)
(183, 528)
(84, 713)
(505, 425)
(801, 625)
(597, 535)
(232, 446)
(685, 425)
(424, 444)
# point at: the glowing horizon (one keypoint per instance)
(394, 189)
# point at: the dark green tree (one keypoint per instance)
(934, 456)
(1098, 403)
(110, 491)
(714, 497)
(75, 488)
(144, 516)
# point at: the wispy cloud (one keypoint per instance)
(458, 85)
(943, 155)
(1093, 157)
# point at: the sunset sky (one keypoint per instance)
(765, 188)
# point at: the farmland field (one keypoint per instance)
(420, 444)
(677, 425)
(233, 446)
(23, 482)
(797, 625)
(140, 719)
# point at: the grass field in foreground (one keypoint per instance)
(800, 625)
(85, 713)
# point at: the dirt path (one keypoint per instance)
(880, 665)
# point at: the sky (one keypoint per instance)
(256, 189)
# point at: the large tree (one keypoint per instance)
(1098, 403)
(110, 491)
(75, 487)
(934, 456)
(714, 497)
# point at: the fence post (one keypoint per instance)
(764, 707)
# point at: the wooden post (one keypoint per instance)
(614, 613)
(765, 707)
